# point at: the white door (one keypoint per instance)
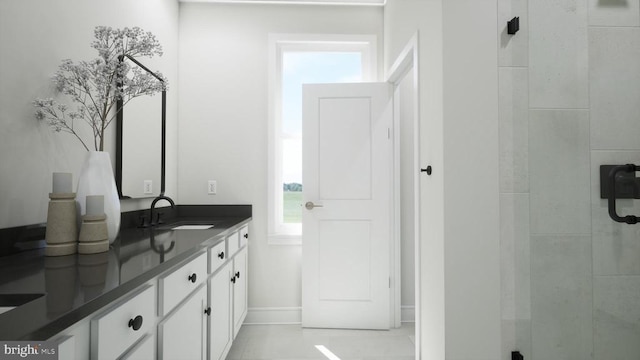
(347, 149)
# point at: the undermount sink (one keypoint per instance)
(9, 302)
(192, 227)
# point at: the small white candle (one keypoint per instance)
(95, 205)
(62, 183)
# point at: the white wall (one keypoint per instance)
(403, 18)
(223, 118)
(35, 35)
(459, 202)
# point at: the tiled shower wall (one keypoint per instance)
(569, 102)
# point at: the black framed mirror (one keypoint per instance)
(140, 148)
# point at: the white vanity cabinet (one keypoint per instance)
(192, 311)
(227, 292)
(182, 299)
(239, 289)
(182, 334)
(178, 283)
(220, 319)
(116, 329)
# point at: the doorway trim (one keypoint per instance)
(407, 60)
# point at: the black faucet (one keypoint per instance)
(153, 205)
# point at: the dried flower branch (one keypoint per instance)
(95, 86)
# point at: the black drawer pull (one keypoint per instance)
(135, 323)
(233, 279)
(246, 236)
(208, 311)
(221, 255)
(193, 277)
(238, 274)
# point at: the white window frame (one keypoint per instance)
(280, 233)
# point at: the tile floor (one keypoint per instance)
(291, 342)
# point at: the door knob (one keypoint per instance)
(310, 205)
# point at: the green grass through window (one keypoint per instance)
(292, 207)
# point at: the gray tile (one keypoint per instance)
(514, 120)
(272, 342)
(561, 301)
(616, 317)
(616, 246)
(291, 347)
(237, 348)
(345, 347)
(614, 13)
(514, 49)
(515, 263)
(614, 88)
(558, 54)
(559, 169)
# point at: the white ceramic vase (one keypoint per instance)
(96, 178)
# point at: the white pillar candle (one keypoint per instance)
(62, 183)
(95, 205)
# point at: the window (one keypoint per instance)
(295, 60)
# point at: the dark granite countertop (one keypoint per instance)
(60, 291)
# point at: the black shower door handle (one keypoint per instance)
(629, 219)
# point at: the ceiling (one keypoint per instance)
(305, 2)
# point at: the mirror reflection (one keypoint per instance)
(139, 131)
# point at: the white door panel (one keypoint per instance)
(347, 175)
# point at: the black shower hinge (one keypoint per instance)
(513, 25)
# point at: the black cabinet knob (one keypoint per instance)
(427, 170)
(238, 274)
(135, 323)
(233, 279)
(193, 277)
(208, 311)
(246, 236)
(221, 255)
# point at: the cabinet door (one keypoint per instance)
(220, 319)
(143, 350)
(182, 333)
(239, 290)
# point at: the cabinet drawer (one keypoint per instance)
(233, 243)
(217, 257)
(114, 331)
(181, 282)
(244, 235)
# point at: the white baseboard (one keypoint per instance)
(293, 315)
(407, 313)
